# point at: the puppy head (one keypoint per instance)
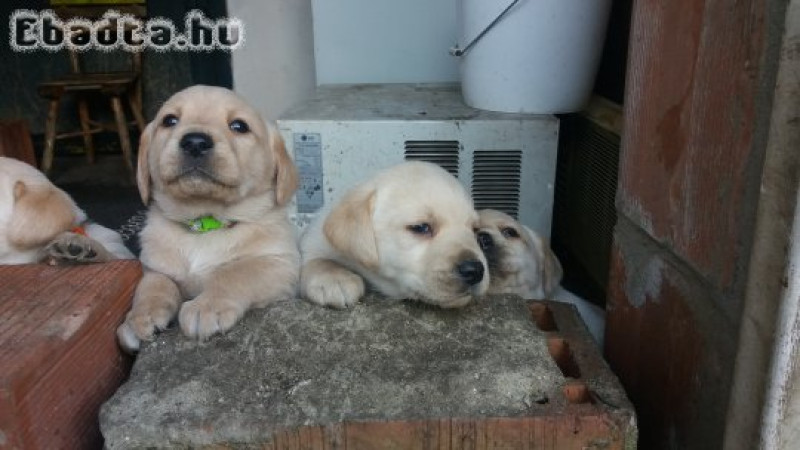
(39, 213)
(414, 226)
(520, 261)
(207, 145)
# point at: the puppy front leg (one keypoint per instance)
(235, 287)
(328, 283)
(155, 303)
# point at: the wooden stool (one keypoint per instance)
(115, 86)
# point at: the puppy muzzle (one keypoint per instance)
(196, 145)
(196, 150)
(470, 272)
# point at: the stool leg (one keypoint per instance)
(88, 143)
(136, 108)
(50, 135)
(122, 130)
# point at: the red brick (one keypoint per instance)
(59, 359)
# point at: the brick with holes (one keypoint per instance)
(499, 373)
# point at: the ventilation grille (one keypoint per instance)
(496, 179)
(443, 153)
(584, 214)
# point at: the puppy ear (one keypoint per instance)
(349, 229)
(142, 166)
(550, 271)
(19, 190)
(286, 178)
(38, 215)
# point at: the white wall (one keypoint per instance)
(357, 41)
(275, 68)
(781, 423)
(385, 41)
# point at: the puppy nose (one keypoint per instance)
(196, 145)
(485, 240)
(471, 271)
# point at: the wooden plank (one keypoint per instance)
(664, 330)
(692, 151)
(687, 166)
(59, 358)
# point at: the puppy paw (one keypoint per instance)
(452, 303)
(337, 289)
(142, 326)
(127, 338)
(74, 248)
(205, 316)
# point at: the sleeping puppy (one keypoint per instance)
(217, 241)
(409, 233)
(522, 263)
(41, 223)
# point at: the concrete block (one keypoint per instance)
(501, 372)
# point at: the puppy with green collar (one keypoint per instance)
(217, 241)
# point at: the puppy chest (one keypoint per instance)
(176, 250)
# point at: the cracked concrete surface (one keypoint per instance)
(295, 364)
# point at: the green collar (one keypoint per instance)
(208, 223)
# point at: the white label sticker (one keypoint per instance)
(308, 158)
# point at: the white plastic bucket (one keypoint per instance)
(539, 57)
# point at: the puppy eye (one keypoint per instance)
(509, 232)
(169, 121)
(422, 229)
(239, 126)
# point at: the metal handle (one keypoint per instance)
(456, 51)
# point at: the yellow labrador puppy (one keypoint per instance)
(522, 263)
(41, 223)
(217, 240)
(408, 232)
